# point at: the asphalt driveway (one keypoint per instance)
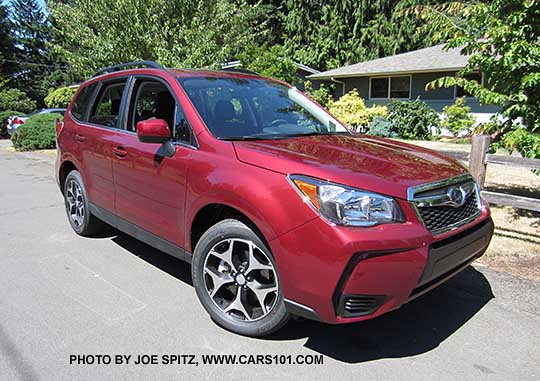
(62, 295)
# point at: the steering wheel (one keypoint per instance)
(278, 121)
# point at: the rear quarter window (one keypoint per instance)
(82, 102)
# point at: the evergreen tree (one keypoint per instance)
(334, 33)
(30, 27)
(7, 47)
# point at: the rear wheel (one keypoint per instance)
(77, 209)
(236, 280)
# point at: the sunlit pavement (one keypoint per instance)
(63, 295)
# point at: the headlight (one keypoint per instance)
(347, 206)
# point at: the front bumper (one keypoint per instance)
(342, 275)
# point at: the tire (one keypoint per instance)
(218, 279)
(77, 208)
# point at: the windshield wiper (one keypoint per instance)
(315, 133)
(283, 136)
(247, 137)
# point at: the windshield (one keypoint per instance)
(245, 108)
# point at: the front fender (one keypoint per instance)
(264, 196)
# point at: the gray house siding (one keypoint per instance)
(419, 82)
(435, 98)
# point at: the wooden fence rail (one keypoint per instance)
(478, 161)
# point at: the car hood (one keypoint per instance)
(375, 164)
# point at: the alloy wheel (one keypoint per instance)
(75, 203)
(241, 280)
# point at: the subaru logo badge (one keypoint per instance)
(456, 196)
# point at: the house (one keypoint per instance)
(404, 76)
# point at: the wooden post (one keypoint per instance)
(477, 159)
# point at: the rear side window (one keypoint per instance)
(107, 106)
(82, 103)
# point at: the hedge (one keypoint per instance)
(39, 132)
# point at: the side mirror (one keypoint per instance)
(153, 131)
(156, 131)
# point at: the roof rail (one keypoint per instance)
(240, 70)
(149, 64)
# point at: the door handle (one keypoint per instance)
(120, 152)
(80, 138)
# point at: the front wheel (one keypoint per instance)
(236, 280)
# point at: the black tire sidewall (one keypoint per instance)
(83, 229)
(234, 229)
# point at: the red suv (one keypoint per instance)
(277, 206)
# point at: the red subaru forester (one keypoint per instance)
(277, 206)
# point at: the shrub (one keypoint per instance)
(60, 97)
(412, 119)
(323, 95)
(39, 132)
(15, 99)
(380, 126)
(457, 117)
(351, 110)
(3, 119)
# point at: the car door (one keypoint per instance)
(150, 189)
(97, 118)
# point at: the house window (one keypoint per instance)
(390, 87)
(379, 87)
(461, 92)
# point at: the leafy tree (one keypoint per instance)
(457, 117)
(269, 62)
(351, 110)
(523, 141)
(30, 29)
(176, 33)
(200, 33)
(412, 119)
(60, 97)
(15, 99)
(502, 38)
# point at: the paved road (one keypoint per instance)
(63, 295)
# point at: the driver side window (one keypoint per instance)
(152, 100)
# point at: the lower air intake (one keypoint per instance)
(359, 305)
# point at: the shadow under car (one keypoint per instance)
(415, 328)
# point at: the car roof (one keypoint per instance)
(180, 73)
(214, 73)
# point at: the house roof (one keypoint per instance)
(432, 59)
(306, 68)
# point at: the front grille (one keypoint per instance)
(440, 218)
(359, 305)
(446, 204)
